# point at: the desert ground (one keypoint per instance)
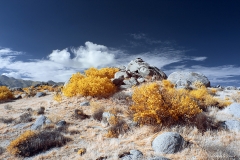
(90, 134)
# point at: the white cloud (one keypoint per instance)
(61, 64)
(199, 58)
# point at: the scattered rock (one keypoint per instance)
(16, 89)
(132, 154)
(85, 103)
(61, 123)
(185, 79)
(159, 158)
(168, 143)
(48, 121)
(102, 158)
(40, 94)
(80, 115)
(41, 110)
(105, 118)
(8, 107)
(18, 96)
(230, 88)
(39, 122)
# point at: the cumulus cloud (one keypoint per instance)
(61, 64)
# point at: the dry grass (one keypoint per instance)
(236, 97)
(206, 142)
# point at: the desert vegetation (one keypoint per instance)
(91, 118)
(5, 94)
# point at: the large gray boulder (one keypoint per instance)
(232, 125)
(233, 109)
(183, 79)
(168, 143)
(40, 121)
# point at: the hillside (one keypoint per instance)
(12, 82)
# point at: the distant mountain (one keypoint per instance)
(12, 82)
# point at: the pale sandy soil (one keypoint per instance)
(210, 145)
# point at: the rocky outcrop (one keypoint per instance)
(136, 72)
(186, 79)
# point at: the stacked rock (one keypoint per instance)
(136, 72)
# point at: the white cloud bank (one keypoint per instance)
(61, 64)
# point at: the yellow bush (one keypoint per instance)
(204, 98)
(95, 83)
(13, 148)
(103, 72)
(153, 103)
(5, 93)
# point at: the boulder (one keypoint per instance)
(233, 109)
(40, 121)
(120, 74)
(185, 79)
(168, 143)
(232, 125)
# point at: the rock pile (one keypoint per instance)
(136, 72)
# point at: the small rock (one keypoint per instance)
(159, 158)
(40, 94)
(39, 122)
(18, 96)
(133, 154)
(48, 121)
(85, 103)
(61, 123)
(41, 110)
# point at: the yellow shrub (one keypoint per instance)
(153, 103)
(13, 147)
(103, 72)
(95, 83)
(205, 98)
(5, 93)
(57, 97)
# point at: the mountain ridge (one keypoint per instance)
(13, 82)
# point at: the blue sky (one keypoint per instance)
(50, 40)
